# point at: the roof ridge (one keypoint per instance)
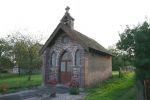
(97, 46)
(84, 40)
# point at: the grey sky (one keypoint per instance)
(98, 19)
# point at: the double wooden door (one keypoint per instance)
(65, 72)
(65, 68)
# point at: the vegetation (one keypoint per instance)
(119, 58)
(74, 91)
(22, 51)
(114, 89)
(13, 82)
(5, 60)
(74, 88)
(135, 42)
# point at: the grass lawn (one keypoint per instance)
(12, 82)
(114, 89)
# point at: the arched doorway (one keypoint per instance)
(65, 68)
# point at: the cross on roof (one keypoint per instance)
(67, 9)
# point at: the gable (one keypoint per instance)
(66, 26)
(83, 40)
(61, 38)
(60, 29)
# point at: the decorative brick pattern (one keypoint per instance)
(94, 68)
(52, 72)
(94, 65)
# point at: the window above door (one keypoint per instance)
(65, 39)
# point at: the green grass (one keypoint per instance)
(13, 82)
(114, 89)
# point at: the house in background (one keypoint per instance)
(15, 69)
(69, 55)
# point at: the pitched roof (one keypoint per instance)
(85, 41)
(90, 43)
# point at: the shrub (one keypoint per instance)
(74, 87)
(74, 91)
(3, 71)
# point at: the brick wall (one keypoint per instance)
(99, 68)
(50, 72)
(93, 69)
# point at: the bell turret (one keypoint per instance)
(67, 19)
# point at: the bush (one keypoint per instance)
(74, 87)
(3, 71)
(74, 91)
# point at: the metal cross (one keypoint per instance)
(67, 9)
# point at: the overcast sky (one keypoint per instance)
(98, 19)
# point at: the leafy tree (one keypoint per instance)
(127, 43)
(33, 58)
(25, 51)
(136, 42)
(5, 52)
(142, 57)
(6, 63)
(117, 61)
(119, 58)
(20, 54)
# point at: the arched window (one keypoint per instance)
(77, 58)
(53, 59)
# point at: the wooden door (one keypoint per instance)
(65, 72)
(65, 68)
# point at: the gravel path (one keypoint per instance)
(65, 96)
(62, 93)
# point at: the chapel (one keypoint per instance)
(70, 55)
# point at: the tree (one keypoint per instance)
(127, 43)
(33, 57)
(25, 52)
(142, 57)
(20, 54)
(5, 52)
(119, 58)
(136, 42)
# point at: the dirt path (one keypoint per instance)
(61, 94)
(65, 96)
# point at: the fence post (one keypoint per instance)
(147, 89)
(140, 90)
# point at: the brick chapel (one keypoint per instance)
(70, 55)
